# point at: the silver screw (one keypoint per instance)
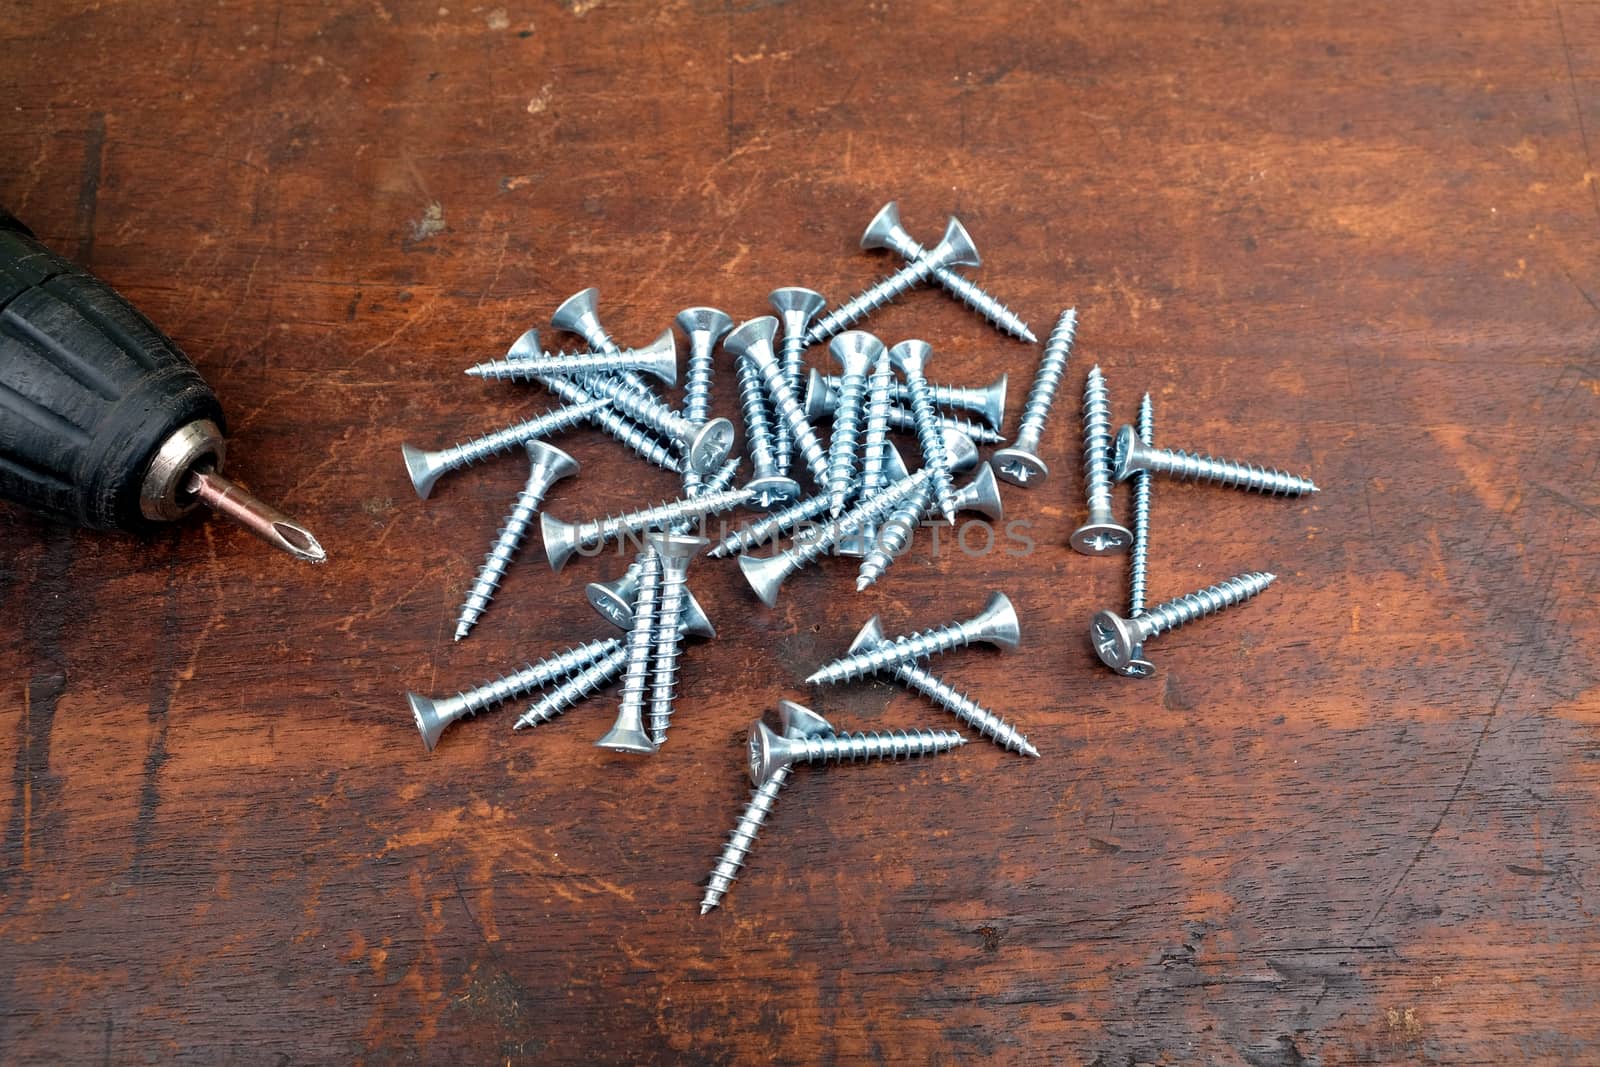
(676, 552)
(796, 307)
(1133, 456)
(996, 624)
(875, 444)
(704, 326)
(771, 486)
(586, 681)
(1139, 554)
(630, 434)
(911, 358)
(1120, 642)
(614, 599)
(627, 734)
(753, 341)
(527, 361)
(981, 494)
(766, 575)
(1101, 535)
(1020, 464)
(797, 721)
(768, 751)
(433, 714)
(885, 231)
(856, 352)
(820, 402)
(988, 401)
(955, 249)
(772, 526)
(963, 707)
(549, 465)
(425, 468)
(562, 539)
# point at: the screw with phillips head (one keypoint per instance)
(797, 721)
(549, 466)
(562, 539)
(988, 401)
(704, 326)
(1139, 555)
(856, 352)
(527, 361)
(614, 599)
(676, 551)
(796, 307)
(772, 487)
(767, 751)
(753, 341)
(955, 249)
(1120, 642)
(911, 360)
(766, 575)
(633, 436)
(1020, 464)
(981, 494)
(1133, 456)
(885, 231)
(1101, 535)
(960, 705)
(628, 734)
(433, 714)
(425, 468)
(996, 624)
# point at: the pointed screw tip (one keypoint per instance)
(705, 909)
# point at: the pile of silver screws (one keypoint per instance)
(864, 501)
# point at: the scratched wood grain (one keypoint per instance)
(1354, 822)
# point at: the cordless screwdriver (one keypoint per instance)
(104, 423)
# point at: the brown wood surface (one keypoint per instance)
(1354, 821)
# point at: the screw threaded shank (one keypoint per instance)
(576, 688)
(530, 677)
(870, 299)
(667, 637)
(1052, 367)
(887, 744)
(794, 417)
(629, 433)
(830, 533)
(743, 838)
(1197, 467)
(966, 709)
(1097, 446)
(894, 650)
(1174, 613)
(640, 637)
(897, 531)
(772, 526)
(966, 291)
(1139, 558)
(615, 526)
(930, 435)
(504, 550)
(757, 428)
(842, 445)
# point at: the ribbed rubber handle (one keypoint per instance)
(89, 389)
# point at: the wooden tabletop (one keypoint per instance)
(1352, 821)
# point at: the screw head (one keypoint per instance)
(885, 227)
(577, 312)
(1114, 640)
(1019, 466)
(430, 724)
(774, 491)
(856, 351)
(423, 468)
(556, 463)
(621, 738)
(800, 721)
(1101, 538)
(710, 445)
(761, 752)
(1138, 667)
(998, 623)
(765, 575)
(560, 540)
(526, 347)
(994, 401)
(910, 358)
(982, 494)
(797, 301)
(869, 635)
(675, 547)
(704, 320)
(661, 357)
(613, 600)
(1128, 454)
(819, 400)
(961, 450)
(955, 248)
(753, 341)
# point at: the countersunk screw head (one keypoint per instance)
(773, 491)
(1117, 645)
(997, 623)
(578, 313)
(765, 575)
(885, 228)
(710, 445)
(1101, 538)
(1130, 453)
(712, 322)
(1019, 466)
(955, 248)
(760, 752)
(799, 301)
(429, 722)
(423, 467)
(800, 721)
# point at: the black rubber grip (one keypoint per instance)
(89, 389)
